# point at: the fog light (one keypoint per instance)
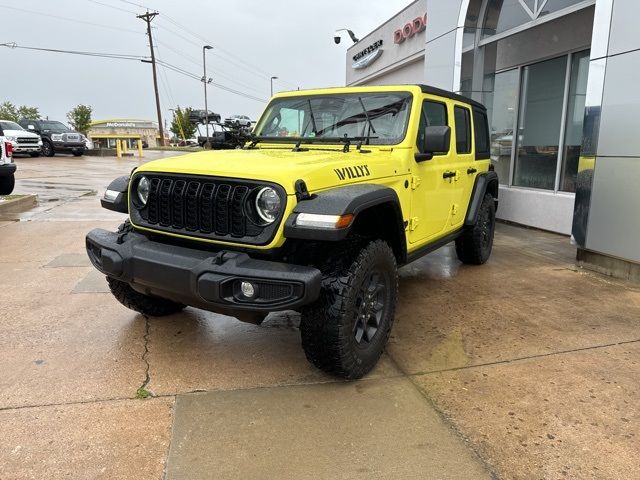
(247, 289)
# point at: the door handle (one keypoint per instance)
(449, 174)
(471, 170)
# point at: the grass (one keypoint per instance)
(142, 393)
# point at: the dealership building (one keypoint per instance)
(560, 82)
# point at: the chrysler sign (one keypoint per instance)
(367, 56)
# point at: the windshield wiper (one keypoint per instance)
(313, 118)
(371, 127)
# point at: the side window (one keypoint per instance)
(433, 114)
(481, 131)
(463, 129)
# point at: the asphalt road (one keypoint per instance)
(523, 368)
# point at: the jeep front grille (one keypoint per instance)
(205, 207)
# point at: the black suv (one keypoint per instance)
(56, 137)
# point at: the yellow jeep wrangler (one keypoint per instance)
(335, 189)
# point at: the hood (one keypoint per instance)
(320, 169)
(20, 133)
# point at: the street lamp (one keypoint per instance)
(272, 79)
(207, 144)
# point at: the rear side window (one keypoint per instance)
(463, 129)
(481, 130)
(434, 114)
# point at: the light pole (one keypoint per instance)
(207, 144)
(272, 79)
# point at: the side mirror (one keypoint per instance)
(437, 139)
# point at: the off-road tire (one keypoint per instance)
(136, 301)
(141, 303)
(330, 328)
(474, 245)
(47, 149)
(7, 184)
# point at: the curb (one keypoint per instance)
(18, 204)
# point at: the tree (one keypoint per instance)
(80, 118)
(8, 111)
(181, 127)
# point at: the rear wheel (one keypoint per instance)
(7, 184)
(345, 332)
(474, 245)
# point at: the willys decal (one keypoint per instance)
(352, 172)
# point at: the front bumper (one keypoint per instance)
(68, 146)
(203, 279)
(7, 169)
(25, 148)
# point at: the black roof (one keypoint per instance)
(453, 96)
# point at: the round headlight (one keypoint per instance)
(268, 204)
(143, 190)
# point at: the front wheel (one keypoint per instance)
(345, 332)
(7, 184)
(47, 149)
(474, 245)
(141, 303)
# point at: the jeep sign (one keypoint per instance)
(418, 25)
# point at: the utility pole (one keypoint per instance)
(147, 17)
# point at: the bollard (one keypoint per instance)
(118, 149)
(140, 148)
(124, 147)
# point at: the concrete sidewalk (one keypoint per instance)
(523, 368)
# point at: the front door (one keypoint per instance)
(431, 185)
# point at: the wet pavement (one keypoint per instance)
(524, 368)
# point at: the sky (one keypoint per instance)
(252, 39)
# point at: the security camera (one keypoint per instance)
(337, 39)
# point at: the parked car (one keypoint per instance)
(238, 121)
(56, 137)
(198, 116)
(88, 143)
(7, 167)
(321, 228)
(21, 140)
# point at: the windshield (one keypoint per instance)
(381, 116)
(6, 125)
(52, 125)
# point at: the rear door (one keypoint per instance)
(431, 195)
(463, 164)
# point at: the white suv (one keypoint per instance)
(23, 141)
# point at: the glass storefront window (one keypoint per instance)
(503, 15)
(575, 119)
(500, 97)
(539, 123)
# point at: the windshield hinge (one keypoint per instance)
(415, 182)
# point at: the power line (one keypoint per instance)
(67, 19)
(219, 85)
(112, 7)
(117, 56)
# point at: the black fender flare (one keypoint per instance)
(120, 203)
(485, 182)
(350, 199)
